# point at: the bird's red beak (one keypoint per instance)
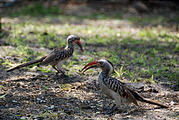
(89, 65)
(78, 42)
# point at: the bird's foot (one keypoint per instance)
(56, 76)
(60, 77)
(64, 75)
(110, 111)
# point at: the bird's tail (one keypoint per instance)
(140, 98)
(27, 64)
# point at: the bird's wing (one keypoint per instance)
(53, 56)
(127, 93)
(120, 88)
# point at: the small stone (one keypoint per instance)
(14, 101)
(172, 103)
(52, 106)
(24, 118)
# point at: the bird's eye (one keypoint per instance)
(101, 63)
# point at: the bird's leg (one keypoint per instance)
(59, 71)
(130, 109)
(114, 107)
(105, 108)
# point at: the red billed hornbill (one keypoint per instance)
(114, 88)
(56, 56)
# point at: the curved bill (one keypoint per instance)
(78, 42)
(88, 66)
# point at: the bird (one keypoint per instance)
(56, 56)
(114, 88)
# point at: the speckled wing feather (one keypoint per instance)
(119, 88)
(127, 93)
(140, 98)
(53, 56)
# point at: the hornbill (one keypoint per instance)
(56, 56)
(114, 88)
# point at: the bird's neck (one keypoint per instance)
(69, 49)
(69, 45)
(104, 74)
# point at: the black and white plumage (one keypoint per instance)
(56, 56)
(114, 88)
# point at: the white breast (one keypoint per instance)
(111, 94)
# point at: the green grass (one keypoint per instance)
(36, 10)
(147, 54)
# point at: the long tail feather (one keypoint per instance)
(27, 64)
(154, 103)
(140, 98)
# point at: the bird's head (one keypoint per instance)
(75, 39)
(105, 65)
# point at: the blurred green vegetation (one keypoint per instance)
(35, 10)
